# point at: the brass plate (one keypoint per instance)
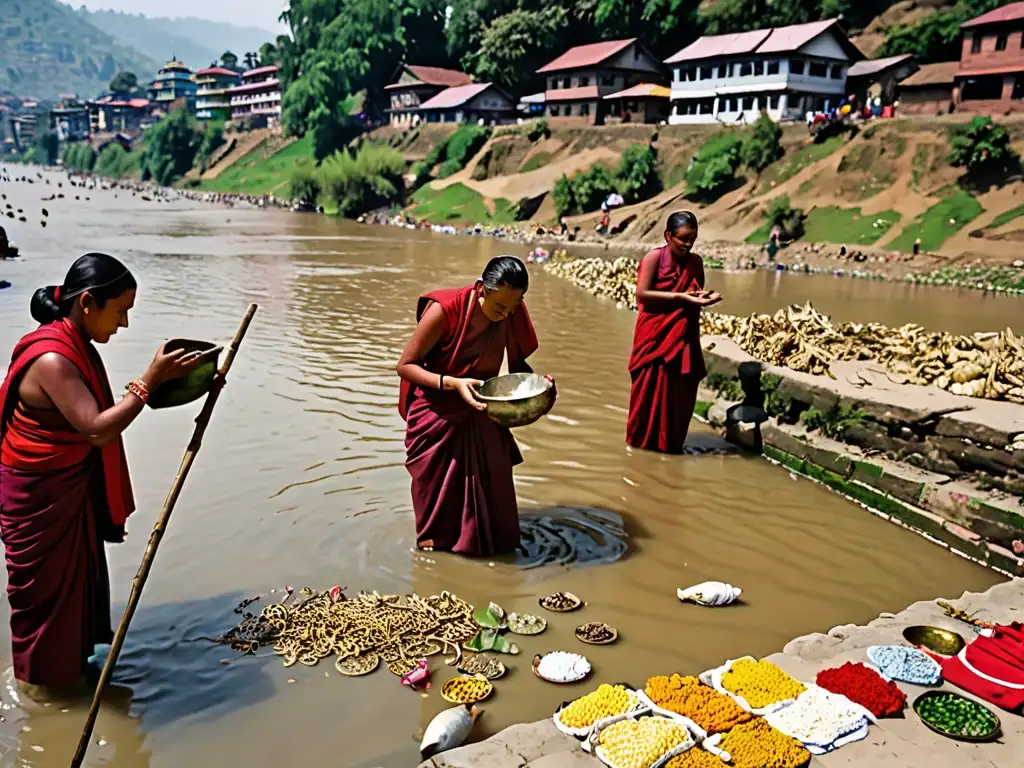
(935, 639)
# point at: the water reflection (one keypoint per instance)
(570, 536)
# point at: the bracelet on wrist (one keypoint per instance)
(138, 388)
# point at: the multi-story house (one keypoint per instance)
(469, 104)
(116, 113)
(784, 71)
(174, 87)
(414, 86)
(258, 97)
(578, 80)
(213, 92)
(991, 74)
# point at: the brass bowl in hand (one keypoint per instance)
(195, 383)
(517, 399)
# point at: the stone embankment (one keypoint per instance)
(893, 743)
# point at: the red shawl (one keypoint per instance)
(668, 334)
(29, 446)
(458, 305)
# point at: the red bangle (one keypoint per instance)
(139, 389)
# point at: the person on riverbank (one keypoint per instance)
(460, 461)
(667, 364)
(7, 249)
(64, 484)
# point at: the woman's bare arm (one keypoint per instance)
(60, 381)
(428, 332)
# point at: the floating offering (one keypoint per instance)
(710, 593)
(526, 624)
(481, 664)
(561, 667)
(466, 690)
(420, 674)
(757, 745)
(822, 720)
(760, 683)
(607, 701)
(863, 685)
(448, 730)
(597, 633)
(711, 710)
(957, 717)
(641, 743)
(561, 602)
(907, 664)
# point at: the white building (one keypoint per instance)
(786, 71)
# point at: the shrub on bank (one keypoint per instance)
(787, 218)
(115, 162)
(981, 145)
(369, 179)
(79, 157)
(714, 166)
(304, 184)
(763, 146)
(637, 174)
(461, 147)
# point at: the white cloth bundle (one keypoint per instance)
(710, 593)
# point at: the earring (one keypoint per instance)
(87, 310)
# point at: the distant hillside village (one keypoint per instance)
(791, 73)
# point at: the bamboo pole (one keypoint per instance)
(202, 421)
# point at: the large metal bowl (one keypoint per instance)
(944, 642)
(193, 385)
(517, 399)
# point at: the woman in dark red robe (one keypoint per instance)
(667, 364)
(461, 461)
(64, 485)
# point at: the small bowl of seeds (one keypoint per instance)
(560, 602)
(525, 624)
(596, 633)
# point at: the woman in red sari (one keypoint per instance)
(667, 364)
(461, 461)
(64, 485)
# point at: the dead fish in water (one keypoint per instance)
(448, 730)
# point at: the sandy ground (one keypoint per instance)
(894, 743)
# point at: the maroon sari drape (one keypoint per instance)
(60, 499)
(460, 461)
(667, 363)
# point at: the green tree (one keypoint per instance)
(78, 157)
(461, 147)
(124, 82)
(47, 148)
(591, 187)
(171, 147)
(516, 45)
(114, 161)
(763, 146)
(304, 184)
(936, 37)
(714, 166)
(363, 181)
(784, 216)
(213, 139)
(981, 145)
(229, 60)
(268, 54)
(637, 175)
(562, 196)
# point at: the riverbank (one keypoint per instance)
(893, 743)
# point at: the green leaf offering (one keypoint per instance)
(492, 617)
(490, 640)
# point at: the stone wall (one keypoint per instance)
(948, 467)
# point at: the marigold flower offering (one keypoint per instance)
(760, 683)
(695, 758)
(689, 697)
(606, 701)
(640, 743)
(757, 745)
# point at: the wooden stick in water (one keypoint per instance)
(202, 421)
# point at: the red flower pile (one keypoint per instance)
(864, 686)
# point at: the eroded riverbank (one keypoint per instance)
(301, 481)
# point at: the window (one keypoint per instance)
(584, 82)
(818, 69)
(758, 68)
(976, 44)
(796, 67)
(608, 80)
(773, 102)
(1001, 43)
(584, 110)
(705, 73)
(567, 82)
(772, 67)
(837, 71)
(554, 110)
(748, 102)
(675, 74)
(747, 68)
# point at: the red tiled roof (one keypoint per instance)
(774, 40)
(1004, 70)
(941, 73)
(587, 55)
(262, 85)
(260, 70)
(571, 94)
(1011, 12)
(642, 91)
(438, 75)
(455, 97)
(874, 66)
(216, 71)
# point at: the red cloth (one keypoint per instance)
(460, 461)
(28, 446)
(1000, 657)
(667, 363)
(59, 499)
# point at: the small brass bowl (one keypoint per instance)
(192, 385)
(937, 640)
(516, 399)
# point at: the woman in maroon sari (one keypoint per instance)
(667, 364)
(64, 485)
(460, 461)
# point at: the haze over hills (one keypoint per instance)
(47, 49)
(197, 42)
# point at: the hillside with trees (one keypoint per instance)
(48, 49)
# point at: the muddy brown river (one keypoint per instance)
(301, 481)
